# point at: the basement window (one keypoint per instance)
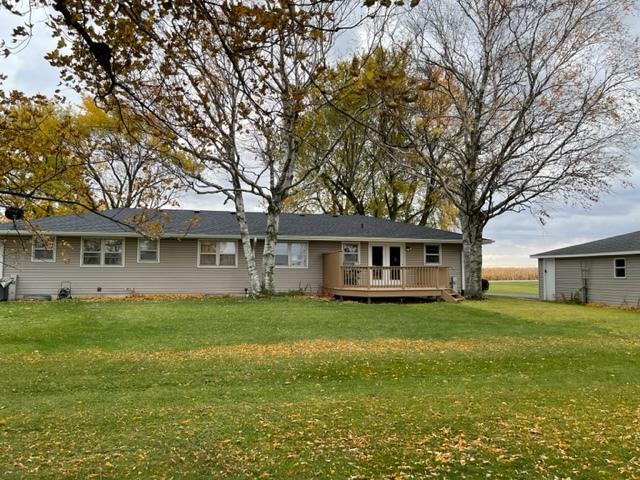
(43, 249)
(620, 268)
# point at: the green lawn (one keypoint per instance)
(303, 388)
(513, 287)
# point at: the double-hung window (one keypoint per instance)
(43, 249)
(620, 268)
(214, 253)
(148, 250)
(350, 253)
(105, 252)
(432, 254)
(291, 254)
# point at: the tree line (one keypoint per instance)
(450, 113)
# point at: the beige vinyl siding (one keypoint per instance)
(601, 284)
(177, 271)
(307, 279)
(451, 256)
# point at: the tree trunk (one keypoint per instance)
(249, 251)
(472, 227)
(268, 254)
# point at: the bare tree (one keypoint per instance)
(542, 105)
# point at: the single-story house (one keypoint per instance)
(604, 271)
(128, 251)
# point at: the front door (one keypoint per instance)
(386, 257)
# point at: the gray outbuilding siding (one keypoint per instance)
(602, 286)
(177, 271)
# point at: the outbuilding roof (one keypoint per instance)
(203, 223)
(620, 244)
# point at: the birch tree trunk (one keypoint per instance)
(472, 227)
(268, 254)
(245, 239)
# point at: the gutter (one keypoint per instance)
(581, 255)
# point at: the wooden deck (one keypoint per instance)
(385, 282)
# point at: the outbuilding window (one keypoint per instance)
(214, 253)
(43, 249)
(148, 250)
(106, 252)
(620, 268)
(291, 254)
(432, 254)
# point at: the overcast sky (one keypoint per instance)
(516, 235)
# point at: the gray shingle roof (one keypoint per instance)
(193, 223)
(629, 242)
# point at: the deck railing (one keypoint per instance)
(337, 276)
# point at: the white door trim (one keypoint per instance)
(386, 260)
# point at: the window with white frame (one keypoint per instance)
(350, 253)
(432, 254)
(43, 249)
(214, 253)
(291, 254)
(620, 268)
(106, 252)
(148, 250)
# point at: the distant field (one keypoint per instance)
(510, 273)
(514, 287)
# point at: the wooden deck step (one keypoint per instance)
(452, 296)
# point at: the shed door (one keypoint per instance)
(549, 271)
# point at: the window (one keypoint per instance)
(107, 252)
(213, 253)
(282, 254)
(432, 254)
(148, 250)
(290, 254)
(620, 268)
(350, 253)
(227, 254)
(43, 249)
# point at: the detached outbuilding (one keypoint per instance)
(603, 271)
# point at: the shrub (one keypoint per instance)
(485, 284)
